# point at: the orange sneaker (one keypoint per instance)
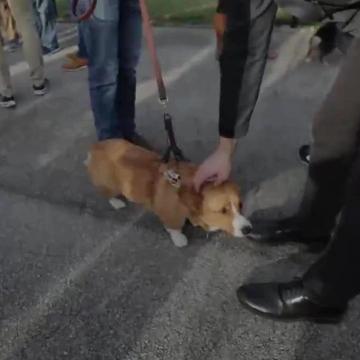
(75, 63)
(72, 55)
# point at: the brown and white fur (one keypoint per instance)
(119, 168)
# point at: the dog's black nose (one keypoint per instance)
(246, 230)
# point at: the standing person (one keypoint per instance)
(46, 15)
(113, 43)
(246, 41)
(333, 185)
(332, 192)
(24, 17)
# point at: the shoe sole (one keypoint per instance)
(9, 105)
(314, 319)
(305, 162)
(40, 92)
(77, 69)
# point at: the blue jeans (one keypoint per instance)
(113, 43)
(45, 21)
(82, 52)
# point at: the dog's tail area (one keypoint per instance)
(101, 172)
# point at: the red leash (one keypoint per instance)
(172, 149)
(149, 36)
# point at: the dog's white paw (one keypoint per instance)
(117, 204)
(87, 160)
(178, 238)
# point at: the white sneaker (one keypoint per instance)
(42, 89)
(7, 102)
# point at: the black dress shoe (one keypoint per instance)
(283, 231)
(289, 301)
(304, 154)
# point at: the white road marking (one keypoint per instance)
(202, 312)
(22, 66)
(68, 37)
(16, 331)
(292, 53)
(148, 88)
(144, 91)
(70, 30)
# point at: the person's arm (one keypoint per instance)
(243, 56)
(242, 61)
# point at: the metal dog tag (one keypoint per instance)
(173, 178)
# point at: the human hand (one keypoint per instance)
(217, 167)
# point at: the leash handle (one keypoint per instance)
(149, 35)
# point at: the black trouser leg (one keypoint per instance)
(335, 277)
(335, 134)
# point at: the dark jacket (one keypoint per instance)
(243, 59)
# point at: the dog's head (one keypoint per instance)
(217, 208)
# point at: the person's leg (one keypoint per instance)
(130, 30)
(101, 37)
(333, 185)
(37, 19)
(24, 17)
(335, 278)
(335, 131)
(326, 288)
(47, 14)
(82, 53)
(5, 81)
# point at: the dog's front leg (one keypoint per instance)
(178, 238)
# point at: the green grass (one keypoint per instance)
(166, 12)
(182, 11)
(63, 8)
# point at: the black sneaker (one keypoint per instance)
(304, 154)
(7, 102)
(42, 89)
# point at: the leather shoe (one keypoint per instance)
(283, 231)
(288, 301)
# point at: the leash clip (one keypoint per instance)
(164, 101)
(173, 148)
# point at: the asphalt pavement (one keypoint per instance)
(79, 280)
